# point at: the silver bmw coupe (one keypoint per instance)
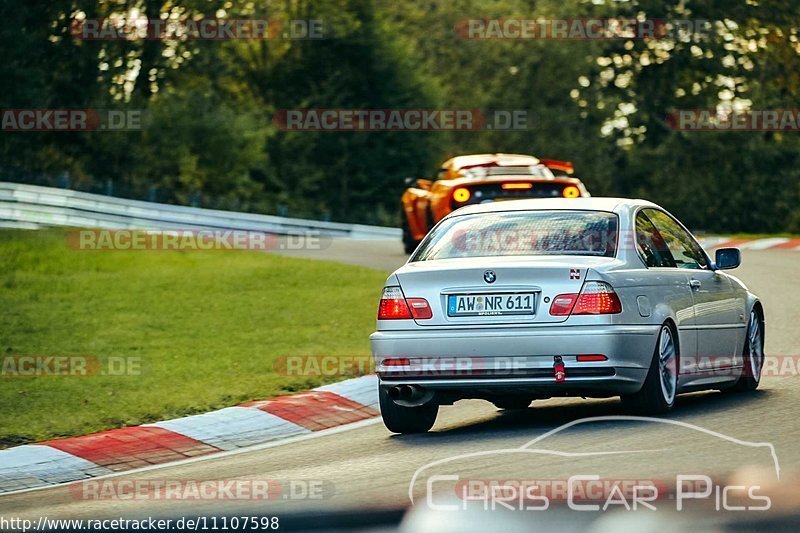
(516, 301)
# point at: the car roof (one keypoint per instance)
(594, 203)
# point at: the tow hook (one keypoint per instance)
(558, 369)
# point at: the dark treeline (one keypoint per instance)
(209, 138)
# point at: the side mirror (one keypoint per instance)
(728, 258)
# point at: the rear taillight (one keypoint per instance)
(461, 195)
(393, 306)
(596, 298)
(562, 304)
(420, 308)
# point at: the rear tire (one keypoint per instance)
(399, 419)
(657, 395)
(753, 356)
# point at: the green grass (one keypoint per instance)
(206, 325)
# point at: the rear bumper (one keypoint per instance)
(472, 362)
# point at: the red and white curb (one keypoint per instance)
(772, 243)
(118, 450)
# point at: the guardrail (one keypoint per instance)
(32, 206)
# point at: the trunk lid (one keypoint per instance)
(459, 294)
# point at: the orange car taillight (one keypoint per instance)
(596, 298)
(571, 191)
(393, 306)
(461, 195)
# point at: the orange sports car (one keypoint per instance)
(475, 179)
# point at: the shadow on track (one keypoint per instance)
(544, 415)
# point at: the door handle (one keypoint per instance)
(694, 283)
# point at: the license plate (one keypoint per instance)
(490, 304)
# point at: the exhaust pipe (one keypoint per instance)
(409, 395)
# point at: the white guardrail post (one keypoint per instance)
(33, 206)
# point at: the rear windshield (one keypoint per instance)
(535, 171)
(592, 233)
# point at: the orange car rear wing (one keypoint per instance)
(563, 166)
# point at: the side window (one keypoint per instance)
(650, 245)
(686, 252)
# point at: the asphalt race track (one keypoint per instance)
(366, 466)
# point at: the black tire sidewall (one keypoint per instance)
(748, 382)
(650, 398)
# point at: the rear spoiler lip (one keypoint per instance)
(467, 181)
(566, 166)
